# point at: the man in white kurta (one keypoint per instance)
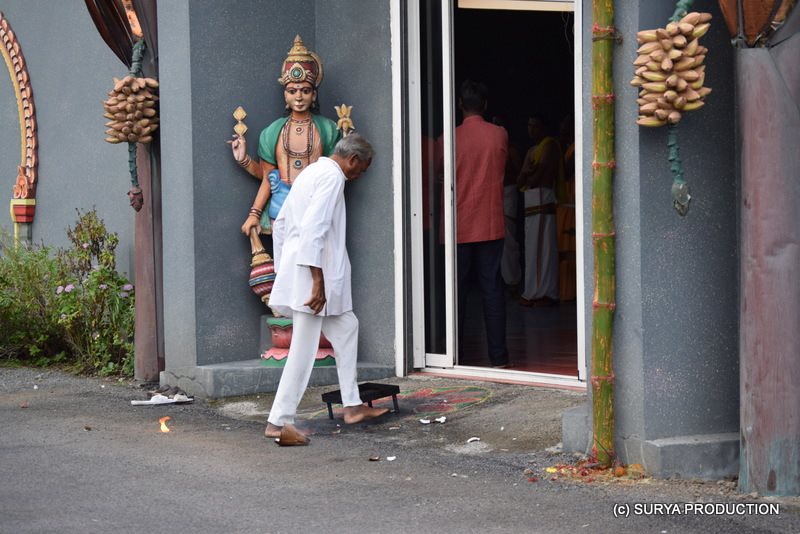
(313, 284)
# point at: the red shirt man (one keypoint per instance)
(481, 152)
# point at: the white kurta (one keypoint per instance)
(310, 232)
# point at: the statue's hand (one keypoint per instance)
(238, 148)
(251, 222)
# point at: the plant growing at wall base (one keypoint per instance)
(69, 307)
(29, 330)
(93, 302)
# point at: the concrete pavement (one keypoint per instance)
(75, 456)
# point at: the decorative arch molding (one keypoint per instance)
(23, 202)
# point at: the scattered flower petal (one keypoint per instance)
(473, 439)
(441, 419)
(59, 289)
(391, 458)
(69, 288)
(425, 421)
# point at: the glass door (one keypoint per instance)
(431, 187)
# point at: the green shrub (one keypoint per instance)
(29, 328)
(71, 307)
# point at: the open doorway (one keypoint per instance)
(525, 58)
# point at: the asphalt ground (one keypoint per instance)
(75, 456)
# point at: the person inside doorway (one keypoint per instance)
(542, 169)
(481, 154)
(510, 265)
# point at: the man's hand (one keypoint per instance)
(317, 300)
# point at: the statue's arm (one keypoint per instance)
(262, 169)
(258, 168)
(255, 168)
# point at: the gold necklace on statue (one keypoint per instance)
(297, 157)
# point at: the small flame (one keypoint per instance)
(163, 422)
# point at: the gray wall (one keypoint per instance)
(675, 336)
(71, 71)
(357, 52)
(214, 57)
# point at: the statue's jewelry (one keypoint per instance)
(298, 159)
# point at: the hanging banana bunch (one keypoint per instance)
(131, 110)
(670, 71)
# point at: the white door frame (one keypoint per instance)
(444, 363)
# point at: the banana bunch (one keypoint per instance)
(131, 108)
(670, 71)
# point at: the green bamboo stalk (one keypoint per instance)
(603, 232)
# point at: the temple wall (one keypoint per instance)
(71, 70)
(364, 81)
(676, 325)
(214, 57)
(234, 54)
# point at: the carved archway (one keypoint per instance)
(23, 202)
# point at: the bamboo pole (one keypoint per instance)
(603, 233)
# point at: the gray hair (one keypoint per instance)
(354, 144)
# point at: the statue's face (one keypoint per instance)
(299, 96)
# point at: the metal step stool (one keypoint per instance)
(369, 391)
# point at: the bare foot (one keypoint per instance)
(272, 431)
(356, 414)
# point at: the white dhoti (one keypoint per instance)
(541, 249)
(509, 264)
(342, 332)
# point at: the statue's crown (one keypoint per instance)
(301, 65)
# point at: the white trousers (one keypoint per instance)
(342, 332)
(541, 248)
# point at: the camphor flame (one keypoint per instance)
(163, 421)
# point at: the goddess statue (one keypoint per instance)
(291, 143)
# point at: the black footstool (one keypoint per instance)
(369, 391)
